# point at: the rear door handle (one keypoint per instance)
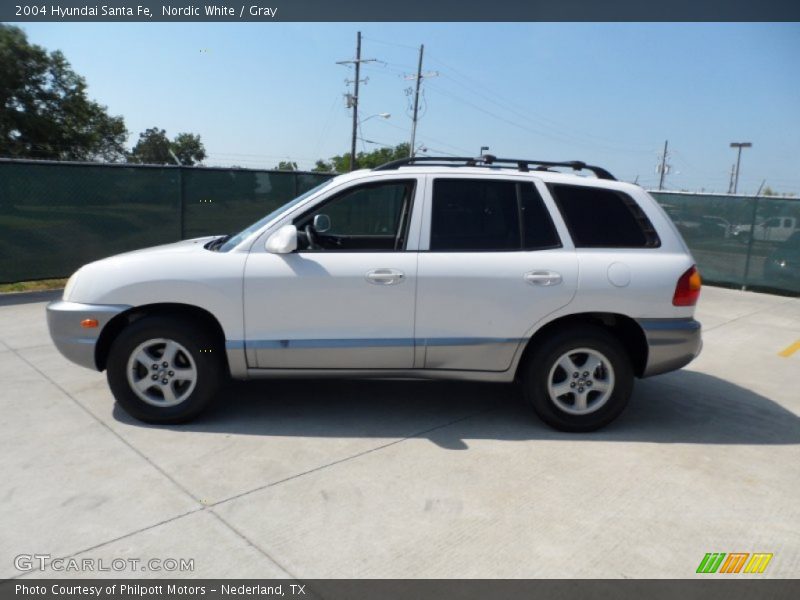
(542, 278)
(385, 276)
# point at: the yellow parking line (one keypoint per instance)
(789, 350)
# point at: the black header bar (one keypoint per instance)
(731, 588)
(407, 10)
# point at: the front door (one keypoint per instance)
(345, 298)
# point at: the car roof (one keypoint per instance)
(489, 172)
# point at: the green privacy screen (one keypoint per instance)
(55, 217)
(740, 241)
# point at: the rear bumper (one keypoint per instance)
(73, 341)
(672, 344)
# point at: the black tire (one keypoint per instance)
(196, 348)
(541, 367)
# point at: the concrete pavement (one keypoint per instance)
(316, 479)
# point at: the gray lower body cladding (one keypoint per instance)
(672, 344)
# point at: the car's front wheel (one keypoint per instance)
(580, 379)
(164, 370)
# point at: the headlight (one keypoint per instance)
(70, 284)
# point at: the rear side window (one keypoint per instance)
(600, 218)
(489, 215)
(540, 233)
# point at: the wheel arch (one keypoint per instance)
(622, 327)
(167, 309)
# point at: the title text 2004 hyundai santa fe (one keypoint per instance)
(481, 269)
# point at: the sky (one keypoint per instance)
(605, 93)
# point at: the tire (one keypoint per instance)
(177, 392)
(601, 389)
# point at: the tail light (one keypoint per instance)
(688, 289)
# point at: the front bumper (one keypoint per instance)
(73, 341)
(672, 344)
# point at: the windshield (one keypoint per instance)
(245, 233)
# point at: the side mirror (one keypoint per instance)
(322, 223)
(283, 241)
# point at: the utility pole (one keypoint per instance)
(739, 145)
(355, 104)
(419, 77)
(663, 167)
(354, 99)
(730, 182)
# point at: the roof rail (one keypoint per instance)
(488, 160)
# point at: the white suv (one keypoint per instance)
(481, 269)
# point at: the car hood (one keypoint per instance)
(178, 261)
(191, 245)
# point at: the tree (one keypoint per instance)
(364, 160)
(322, 167)
(286, 165)
(44, 109)
(188, 148)
(153, 148)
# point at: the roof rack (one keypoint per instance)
(488, 160)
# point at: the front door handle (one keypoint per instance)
(543, 278)
(385, 276)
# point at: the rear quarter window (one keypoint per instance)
(602, 218)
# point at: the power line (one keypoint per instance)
(371, 39)
(487, 112)
(460, 150)
(558, 131)
(328, 123)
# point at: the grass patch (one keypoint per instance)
(33, 286)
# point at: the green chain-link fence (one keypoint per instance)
(54, 217)
(748, 242)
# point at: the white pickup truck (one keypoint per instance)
(774, 229)
(481, 269)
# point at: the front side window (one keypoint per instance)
(372, 217)
(602, 218)
(489, 215)
(237, 239)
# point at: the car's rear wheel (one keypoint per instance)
(164, 370)
(580, 379)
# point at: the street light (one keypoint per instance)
(381, 115)
(739, 145)
(482, 149)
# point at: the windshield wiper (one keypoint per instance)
(215, 244)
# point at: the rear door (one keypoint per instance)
(492, 264)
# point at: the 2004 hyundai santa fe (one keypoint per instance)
(482, 269)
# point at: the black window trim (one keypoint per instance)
(409, 183)
(518, 182)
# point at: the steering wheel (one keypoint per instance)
(313, 242)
